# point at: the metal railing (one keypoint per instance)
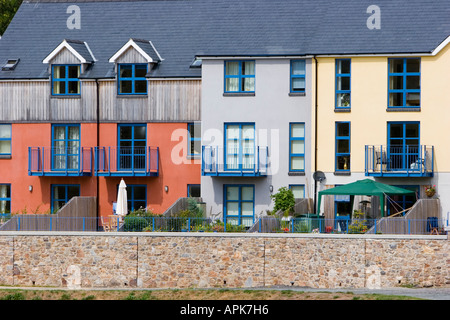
(245, 162)
(409, 160)
(265, 224)
(60, 161)
(127, 161)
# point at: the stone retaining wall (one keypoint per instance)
(195, 260)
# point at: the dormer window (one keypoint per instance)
(65, 80)
(131, 78)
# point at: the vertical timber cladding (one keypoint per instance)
(217, 260)
(167, 100)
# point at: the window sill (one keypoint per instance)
(342, 109)
(132, 96)
(66, 97)
(5, 156)
(342, 173)
(238, 94)
(297, 94)
(192, 157)
(405, 109)
(296, 173)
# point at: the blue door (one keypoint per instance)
(65, 147)
(403, 145)
(132, 147)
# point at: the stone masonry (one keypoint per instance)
(211, 260)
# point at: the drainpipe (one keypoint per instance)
(315, 132)
(98, 144)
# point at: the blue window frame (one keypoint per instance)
(136, 196)
(194, 139)
(61, 194)
(65, 80)
(5, 198)
(298, 72)
(239, 76)
(65, 146)
(239, 146)
(402, 202)
(131, 78)
(5, 140)
(404, 83)
(239, 204)
(403, 145)
(132, 147)
(298, 190)
(342, 147)
(343, 83)
(297, 147)
(193, 190)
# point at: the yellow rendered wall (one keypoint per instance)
(368, 115)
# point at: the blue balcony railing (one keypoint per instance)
(399, 161)
(60, 161)
(251, 162)
(127, 161)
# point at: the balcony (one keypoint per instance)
(127, 161)
(60, 161)
(253, 163)
(399, 161)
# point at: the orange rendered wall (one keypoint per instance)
(175, 176)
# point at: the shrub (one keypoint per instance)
(284, 200)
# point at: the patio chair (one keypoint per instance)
(106, 224)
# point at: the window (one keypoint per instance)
(136, 197)
(342, 148)
(403, 145)
(298, 76)
(298, 190)
(61, 194)
(343, 80)
(297, 147)
(194, 144)
(5, 198)
(240, 146)
(131, 79)
(239, 204)
(65, 147)
(239, 76)
(5, 140)
(400, 203)
(65, 80)
(132, 147)
(193, 190)
(404, 83)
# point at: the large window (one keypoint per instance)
(61, 194)
(404, 83)
(403, 145)
(298, 76)
(65, 80)
(5, 198)
(65, 147)
(194, 144)
(136, 197)
(239, 76)
(131, 79)
(297, 147)
(239, 146)
(342, 148)
(132, 147)
(343, 80)
(5, 140)
(239, 204)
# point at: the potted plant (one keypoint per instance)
(430, 191)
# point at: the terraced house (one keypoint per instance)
(227, 100)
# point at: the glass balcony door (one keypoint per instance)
(65, 147)
(240, 147)
(132, 147)
(403, 145)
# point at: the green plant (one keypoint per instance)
(358, 224)
(283, 200)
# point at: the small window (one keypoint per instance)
(343, 80)
(342, 146)
(5, 198)
(65, 80)
(193, 190)
(131, 79)
(194, 138)
(298, 75)
(5, 140)
(239, 76)
(61, 194)
(297, 147)
(10, 64)
(298, 190)
(404, 83)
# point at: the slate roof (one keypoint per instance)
(182, 29)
